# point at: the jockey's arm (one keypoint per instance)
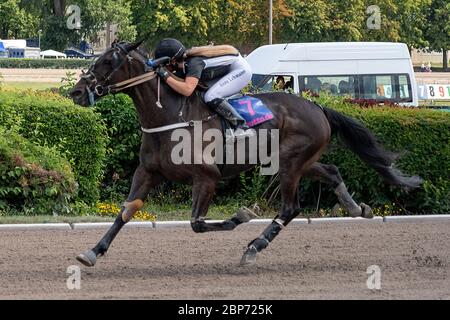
(185, 87)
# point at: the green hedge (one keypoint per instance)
(422, 135)
(122, 157)
(44, 63)
(48, 119)
(33, 179)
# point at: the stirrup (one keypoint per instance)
(238, 134)
(243, 133)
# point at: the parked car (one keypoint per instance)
(378, 71)
(76, 53)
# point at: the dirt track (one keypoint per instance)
(322, 261)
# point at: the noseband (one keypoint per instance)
(91, 77)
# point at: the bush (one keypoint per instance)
(44, 63)
(78, 133)
(33, 179)
(420, 135)
(122, 157)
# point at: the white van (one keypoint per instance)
(378, 71)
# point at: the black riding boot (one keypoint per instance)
(223, 108)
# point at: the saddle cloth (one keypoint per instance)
(252, 109)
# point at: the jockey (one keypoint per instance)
(221, 67)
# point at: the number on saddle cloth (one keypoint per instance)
(253, 110)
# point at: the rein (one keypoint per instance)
(117, 87)
(100, 90)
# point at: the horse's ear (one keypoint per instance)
(115, 60)
(133, 46)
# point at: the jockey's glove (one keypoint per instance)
(151, 63)
(162, 73)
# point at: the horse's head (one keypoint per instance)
(113, 66)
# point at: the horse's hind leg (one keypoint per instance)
(290, 174)
(143, 181)
(329, 174)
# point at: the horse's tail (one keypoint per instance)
(363, 143)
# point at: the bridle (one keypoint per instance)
(101, 90)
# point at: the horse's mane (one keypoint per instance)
(142, 52)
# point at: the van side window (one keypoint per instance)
(377, 87)
(268, 83)
(380, 87)
(392, 87)
(404, 88)
(335, 85)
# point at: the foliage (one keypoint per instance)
(122, 150)
(16, 21)
(418, 23)
(112, 210)
(44, 63)
(437, 28)
(32, 15)
(198, 22)
(67, 83)
(316, 21)
(50, 120)
(420, 136)
(33, 179)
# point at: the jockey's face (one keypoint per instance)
(177, 64)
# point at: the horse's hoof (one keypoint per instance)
(249, 257)
(366, 211)
(87, 258)
(245, 215)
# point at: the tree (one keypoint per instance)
(438, 28)
(413, 22)
(95, 15)
(59, 8)
(308, 23)
(324, 20)
(16, 22)
(188, 21)
(241, 23)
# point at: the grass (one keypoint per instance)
(52, 219)
(434, 103)
(163, 213)
(30, 85)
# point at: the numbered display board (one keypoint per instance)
(434, 91)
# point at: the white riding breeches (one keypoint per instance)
(239, 76)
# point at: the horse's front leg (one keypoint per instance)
(203, 190)
(143, 182)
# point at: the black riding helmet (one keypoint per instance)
(170, 48)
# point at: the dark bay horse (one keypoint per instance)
(304, 131)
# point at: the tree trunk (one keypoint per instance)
(445, 59)
(108, 35)
(58, 7)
